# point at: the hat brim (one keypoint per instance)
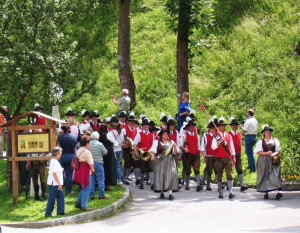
(266, 130)
(94, 115)
(234, 123)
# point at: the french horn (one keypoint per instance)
(167, 151)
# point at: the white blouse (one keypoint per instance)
(259, 148)
(155, 144)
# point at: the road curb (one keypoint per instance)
(84, 217)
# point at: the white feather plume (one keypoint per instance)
(83, 111)
(187, 119)
(162, 115)
(142, 115)
(264, 126)
(124, 112)
(231, 118)
(193, 111)
(221, 119)
(36, 105)
(69, 109)
(185, 123)
(108, 119)
(139, 121)
(112, 115)
(131, 114)
(96, 111)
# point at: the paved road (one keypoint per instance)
(195, 212)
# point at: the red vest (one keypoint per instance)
(41, 121)
(146, 141)
(209, 139)
(95, 126)
(173, 136)
(220, 151)
(109, 129)
(192, 143)
(124, 125)
(237, 141)
(129, 133)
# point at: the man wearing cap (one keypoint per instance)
(123, 102)
(250, 130)
(130, 132)
(86, 121)
(190, 145)
(95, 123)
(70, 113)
(208, 153)
(122, 119)
(144, 140)
(237, 142)
(4, 117)
(225, 153)
(116, 137)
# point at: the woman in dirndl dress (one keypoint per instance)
(268, 168)
(165, 170)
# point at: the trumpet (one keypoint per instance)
(145, 156)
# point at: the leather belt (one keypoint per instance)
(251, 135)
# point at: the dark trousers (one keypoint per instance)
(221, 164)
(238, 164)
(54, 193)
(127, 158)
(146, 166)
(38, 169)
(189, 161)
(210, 165)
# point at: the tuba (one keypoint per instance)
(137, 155)
(167, 151)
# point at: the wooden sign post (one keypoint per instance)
(14, 128)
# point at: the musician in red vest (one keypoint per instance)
(225, 157)
(154, 130)
(95, 123)
(208, 153)
(237, 142)
(86, 123)
(39, 120)
(122, 119)
(144, 140)
(190, 145)
(130, 132)
(172, 131)
(164, 121)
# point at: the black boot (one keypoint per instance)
(43, 193)
(36, 192)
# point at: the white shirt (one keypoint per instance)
(83, 126)
(183, 139)
(138, 139)
(250, 126)
(259, 148)
(74, 131)
(116, 139)
(214, 144)
(155, 144)
(181, 131)
(55, 167)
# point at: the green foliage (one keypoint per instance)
(30, 210)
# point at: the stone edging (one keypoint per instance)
(88, 216)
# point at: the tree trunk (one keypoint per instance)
(124, 53)
(182, 53)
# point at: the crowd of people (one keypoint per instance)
(108, 151)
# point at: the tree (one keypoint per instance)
(124, 52)
(187, 15)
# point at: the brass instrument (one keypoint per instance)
(136, 155)
(145, 156)
(167, 151)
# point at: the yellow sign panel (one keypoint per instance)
(33, 143)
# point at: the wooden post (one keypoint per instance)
(52, 134)
(15, 171)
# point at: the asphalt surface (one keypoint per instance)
(194, 212)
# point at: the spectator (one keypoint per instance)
(98, 150)
(123, 102)
(55, 183)
(67, 142)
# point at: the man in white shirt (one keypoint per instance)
(85, 125)
(55, 183)
(250, 131)
(116, 137)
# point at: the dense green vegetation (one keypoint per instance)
(244, 61)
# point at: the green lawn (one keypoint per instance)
(30, 210)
